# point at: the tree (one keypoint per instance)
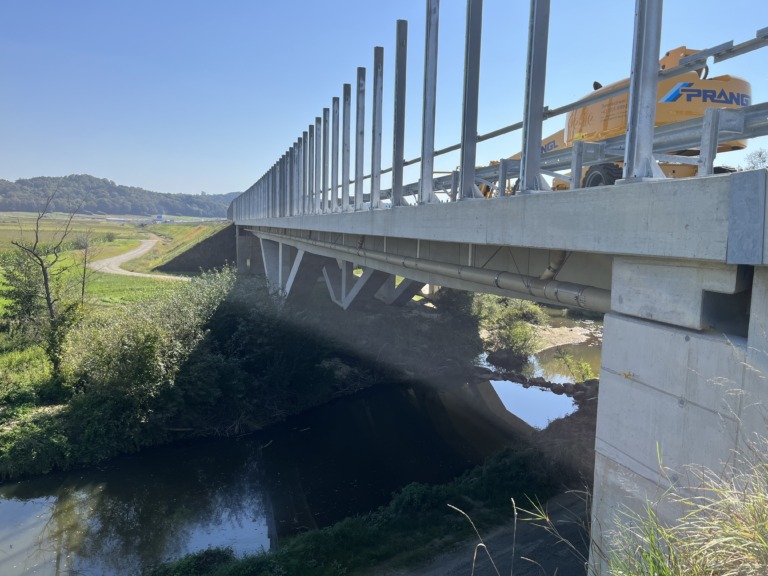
(757, 159)
(39, 286)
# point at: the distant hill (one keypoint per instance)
(99, 195)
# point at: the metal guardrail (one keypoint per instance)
(299, 184)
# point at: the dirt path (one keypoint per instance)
(112, 265)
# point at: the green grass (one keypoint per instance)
(723, 530)
(105, 290)
(23, 370)
(16, 223)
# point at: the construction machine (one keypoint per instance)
(680, 98)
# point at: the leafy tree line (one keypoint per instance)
(99, 195)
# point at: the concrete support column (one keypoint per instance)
(682, 381)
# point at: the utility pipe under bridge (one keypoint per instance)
(680, 266)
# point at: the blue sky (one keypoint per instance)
(192, 95)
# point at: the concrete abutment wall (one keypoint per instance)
(674, 390)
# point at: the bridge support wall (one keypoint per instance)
(683, 382)
(248, 249)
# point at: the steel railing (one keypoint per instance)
(298, 183)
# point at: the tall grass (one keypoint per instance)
(722, 529)
(722, 532)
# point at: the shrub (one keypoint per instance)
(506, 324)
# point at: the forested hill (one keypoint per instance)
(99, 195)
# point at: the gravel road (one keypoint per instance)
(112, 265)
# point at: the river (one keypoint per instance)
(344, 458)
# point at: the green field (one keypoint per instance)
(109, 238)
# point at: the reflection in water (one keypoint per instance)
(341, 459)
(356, 452)
(137, 511)
(549, 365)
(541, 406)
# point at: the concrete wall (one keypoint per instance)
(249, 257)
(675, 390)
(213, 252)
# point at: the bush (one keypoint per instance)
(506, 324)
(119, 366)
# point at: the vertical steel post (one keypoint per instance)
(280, 185)
(298, 190)
(295, 187)
(471, 92)
(276, 190)
(376, 125)
(398, 130)
(318, 163)
(268, 193)
(288, 181)
(346, 130)
(430, 99)
(287, 188)
(502, 177)
(324, 194)
(708, 149)
(533, 114)
(359, 138)
(305, 148)
(643, 89)
(577, 164)
(335, 156)
(311, 171)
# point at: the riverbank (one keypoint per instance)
(552, 336)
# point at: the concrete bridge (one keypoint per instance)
(680, 266)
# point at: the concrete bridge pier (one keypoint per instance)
(683, 381)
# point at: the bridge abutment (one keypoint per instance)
(685, 354)
(248, 247)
